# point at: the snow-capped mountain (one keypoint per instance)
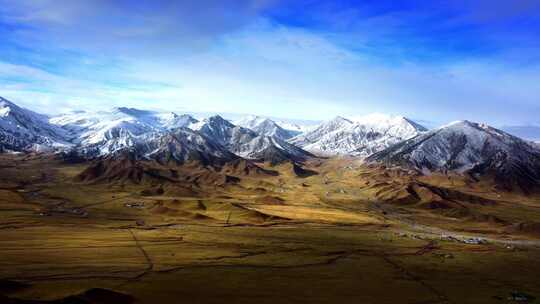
(462, 146)
(24, 130)
(171, 120)
(247, 143)
(223, 131)
(361, 136)
(297, 127)
(397, 126)
(266, 127)
(181, 145)
(271, 149)
(465, 146)
(105, 132)
(148, 133)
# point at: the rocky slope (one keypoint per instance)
(361, 136)
(167, 138)
(266, 127)
(467, 147)
(247, 143)
(162, 136)
(24, 130)
(106, 132)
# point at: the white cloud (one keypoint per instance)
(251, 66)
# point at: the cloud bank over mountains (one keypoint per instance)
(434, 61)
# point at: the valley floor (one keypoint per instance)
(321, 239)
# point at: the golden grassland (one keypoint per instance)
(350, 234)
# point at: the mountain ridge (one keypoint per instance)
(471, 148)
(461, 147)
(249, 144)
(266, 126)
(25, 130)
(359, 136)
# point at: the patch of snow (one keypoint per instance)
(265, 126)
(24, 130)
(461, 146)
(110, 131)
(359, 136)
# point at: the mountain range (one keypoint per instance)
(147, 133)
(25, 130)
(360, 136)
(461, 147)
(268, 127)
(468, 147)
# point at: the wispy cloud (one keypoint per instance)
(128, 28)
(438, 62)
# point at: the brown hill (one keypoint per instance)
(124, 170)
(243, 167)
(128, 169)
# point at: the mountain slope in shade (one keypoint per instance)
(24, 130)
(474, 148)
(179, 168)
(266, 127)
(106, 132)
(361, 136)
(176, 147)
(223, 131)
(182, 145)
(162, 136)
(247, 143)
(271, 149)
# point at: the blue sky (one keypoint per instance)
(434, 61)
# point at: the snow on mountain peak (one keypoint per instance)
(217, 119)
(24, 130)
(7, 106)
(4, 109)
(480, 131)
(360, 136)
(172, 120)
(266, 127)
(457, 124)
(465, 146)
(110, 131)
(215, 125)
(250, 121)
(247, 143)
(459, 145)
(340, 120)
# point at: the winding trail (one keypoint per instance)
(441, 297)
(149, 261)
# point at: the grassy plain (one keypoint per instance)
(350, 234)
